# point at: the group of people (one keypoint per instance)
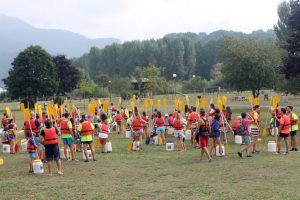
(77, 131)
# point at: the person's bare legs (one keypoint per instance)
(72, 148)
(92, 150)
(66, 151)
(279, 144)
(286, 144)
(59, 170)
(49, 163)
(254, 143)
(85, 151)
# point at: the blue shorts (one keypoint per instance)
(32, 155)
(216, 134)
(160, 130)
(67, 141)
(247, 140)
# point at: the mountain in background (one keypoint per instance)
(16, 35)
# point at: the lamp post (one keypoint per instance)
(174, 77)
(109, 82)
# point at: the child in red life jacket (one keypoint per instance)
(31, 149)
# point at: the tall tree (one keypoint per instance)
(33, 74)
(247, 66)
(284, 12)
(68, 75)
(291, 67)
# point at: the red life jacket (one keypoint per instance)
(50, 136)
(171, 121)
(160, 122)
(104, 128)
(193, 116)
(86, 128)
(178, 125)
(124, 115)
(3, 120)
(113, 108)
(44, 118)
(34, 128)
(287, 122)
(136, 124)
(64, 126)
(293, 122)
(118, 118)
(144, 118)
(278, 113)
(205, 126)
(235, 123)
(228, 115)
(30, 148)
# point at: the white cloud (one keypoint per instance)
(142, 19)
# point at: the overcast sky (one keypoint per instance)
(143, 19)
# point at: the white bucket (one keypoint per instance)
(136, 146)
(169, 146)
(271, 147)
(217, 151)
(24, 145)
(89, 154)
(274, 131)
(108, 147)
(155, 139)
(170, 131)
(127, 134)
(38, 167)
(188, 135)
(238, 139)
(6, 148)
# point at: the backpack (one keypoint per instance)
(240, 129)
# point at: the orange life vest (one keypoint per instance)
(50, 136)
(178, 124)
(160, 122)
(34, 128)
(104, 128)
(113, 108)
(136, 124)
(64, 126)
(86, 128)
(193, 116)
(235, 123)
(144, 118)
(171, 121)
(287, 122)
(118, 118)
(3, 120)
(278, 113)
(30, 148)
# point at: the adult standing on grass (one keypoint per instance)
(118, 120)
(215, 127)
(254, 126)
(247, 137)
(67, 136)
(178, 133)
(294, 128)
(284, 130)
(87, 130)
(50, 138)
(204, 135)
(137, 128)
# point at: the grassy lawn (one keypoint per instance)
(157, 174)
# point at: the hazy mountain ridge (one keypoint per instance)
(16, 35)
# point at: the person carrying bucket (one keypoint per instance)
(86, 128)
(31, 149)
(104, 131)
(50, 140)
(67, 136)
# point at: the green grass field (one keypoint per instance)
(157, 174)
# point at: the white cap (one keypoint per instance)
(239, 117)
(166, 115)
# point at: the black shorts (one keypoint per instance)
(87, 142)
(52, 152)
(283, 135)
(293, 133)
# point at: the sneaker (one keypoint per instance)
(86, 161)
(249, 156)
(75, 160)
(253, 152)
(295, 149)
(257, 151)
(240, 154)
(210, 160)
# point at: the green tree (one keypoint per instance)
(68, 75)
(291, 67)
(194, 84)
(284, 12)
(86, 85)
(247, 66)
(33, 74)
(121, 86)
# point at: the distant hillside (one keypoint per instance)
(15, 35)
